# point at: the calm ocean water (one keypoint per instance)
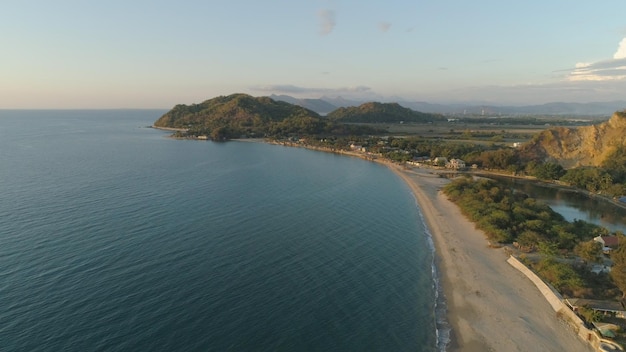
(115, 238)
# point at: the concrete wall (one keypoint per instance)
(557, 303)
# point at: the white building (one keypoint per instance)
(456, 164)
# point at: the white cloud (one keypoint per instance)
(327, 21)
(621, 50)
(605, 70)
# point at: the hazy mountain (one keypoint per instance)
(326, 104)
(342, 102)
(557, 108)
(318, 105)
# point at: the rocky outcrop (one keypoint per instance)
(580, 146)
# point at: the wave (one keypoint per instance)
(442, 326)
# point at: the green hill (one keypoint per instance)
(234, 116)
(242, 115)
(381, 112)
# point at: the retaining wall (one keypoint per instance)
(557, 303)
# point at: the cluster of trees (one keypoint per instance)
(609, 179)
(506, 216)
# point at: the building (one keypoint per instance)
(456, 164)
(608, 242)
(605, 307)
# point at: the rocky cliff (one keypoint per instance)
(580, 146)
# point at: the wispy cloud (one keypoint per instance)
(604, 70)
(327, 21)
(384, 26)
(607, 70)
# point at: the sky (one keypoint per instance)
(156, 54)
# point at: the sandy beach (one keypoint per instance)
(491, 305)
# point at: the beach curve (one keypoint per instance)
(490, 305)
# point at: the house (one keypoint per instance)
(419, 160)
(358, 148)
(456, 164)
(608, 242)
(605, 307)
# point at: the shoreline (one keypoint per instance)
(170, 129)
(490, 305)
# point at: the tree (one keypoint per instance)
(590, 251)
(589, 314)
(618, 271)
(548, 171)
(549, 250)
(529, 239)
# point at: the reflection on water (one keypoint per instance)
(573, 205)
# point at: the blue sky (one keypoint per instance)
(155, 54)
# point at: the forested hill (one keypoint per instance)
(602, 144)
(381, 112)
(242, 115)
(241, 109)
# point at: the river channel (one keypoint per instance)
(573, 205)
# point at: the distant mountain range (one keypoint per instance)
(325, 105)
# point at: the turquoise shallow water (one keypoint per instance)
(115, 238)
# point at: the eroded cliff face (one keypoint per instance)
(580, 146)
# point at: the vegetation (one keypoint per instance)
(590, 251)
(589, 315)
(618, 271)
(241, 115)
(381, 112)
(563, 249)
(512, 217)
(561, 275)
(508, 216)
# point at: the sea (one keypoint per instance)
(114, 237)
